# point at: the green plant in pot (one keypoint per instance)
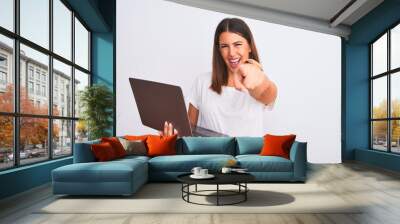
(96, 102)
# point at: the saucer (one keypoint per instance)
(208, 176)
(240, 171)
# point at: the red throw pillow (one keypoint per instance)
(103, 152)
(277, 145)
(161, 145)
(116, 145)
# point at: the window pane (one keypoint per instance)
(395, 47)
(62, 141)
(81, 81)
(81, 131)
(34, 97)
(7, 14)
(395, 136)
(379, 135)
(379, 55)
(62, 89)
(35, 21)
(6, 142)
(81, 45)
(62, 29)
(379, 88)
(33, 140)
(6, 74)
(395, 95)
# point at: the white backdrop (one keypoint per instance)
(171, 43)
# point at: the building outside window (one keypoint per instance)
(44, 77)
(38, 89)
(55, 97)
(43, 90)
(3, 78)
(3, 72)
(3, 61)
(37, 75)
(30, 87)
(30, 72)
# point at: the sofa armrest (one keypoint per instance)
(83, 152)
(298, 155)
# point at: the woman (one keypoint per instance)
(232, 99)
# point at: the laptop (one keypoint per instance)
(160, 102)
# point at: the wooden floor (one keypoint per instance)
(377, 188)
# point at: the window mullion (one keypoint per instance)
(371, 98)
(50, 87)
(16, 84)
(388, 95)
(73, 82)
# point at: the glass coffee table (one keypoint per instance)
(238, 179)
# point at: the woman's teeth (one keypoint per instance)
(234, 61)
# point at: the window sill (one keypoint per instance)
(26, 167)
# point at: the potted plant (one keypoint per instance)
(96, 102)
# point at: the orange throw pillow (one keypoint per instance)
(103, 152)
(161, 145)
(136, 137)
(277, 145)
(116, 145)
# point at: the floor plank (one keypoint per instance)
(377, 190)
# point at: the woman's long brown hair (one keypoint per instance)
(219, 69)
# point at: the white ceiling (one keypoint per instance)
(320, 9)
(315, 15)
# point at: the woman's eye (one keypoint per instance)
(238, 45)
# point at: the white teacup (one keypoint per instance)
(226, 170)
(196, 171)
(203, 172)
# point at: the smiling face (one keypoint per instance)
(234, 49)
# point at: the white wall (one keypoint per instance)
(171, 43)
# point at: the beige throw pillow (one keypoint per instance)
(137, 148)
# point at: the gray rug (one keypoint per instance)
(166, 198)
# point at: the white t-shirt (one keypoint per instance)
(233, 112)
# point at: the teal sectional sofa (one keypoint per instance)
(125, 176)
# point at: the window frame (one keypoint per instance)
(388, 74)
(15, 72)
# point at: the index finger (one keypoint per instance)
(254, 62)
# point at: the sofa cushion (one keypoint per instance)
(103, 152)
(133, 158)
(136, 137)
(111, 171)
(185, 163)
(277, 145)
(83, 152)
(134, 147)
(161, 145)
(249, 145)
(116, 145)
(206, 145)
(257, 163)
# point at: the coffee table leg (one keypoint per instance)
(245, 191)
(188, 189)
(217, 194)
(196, 188)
